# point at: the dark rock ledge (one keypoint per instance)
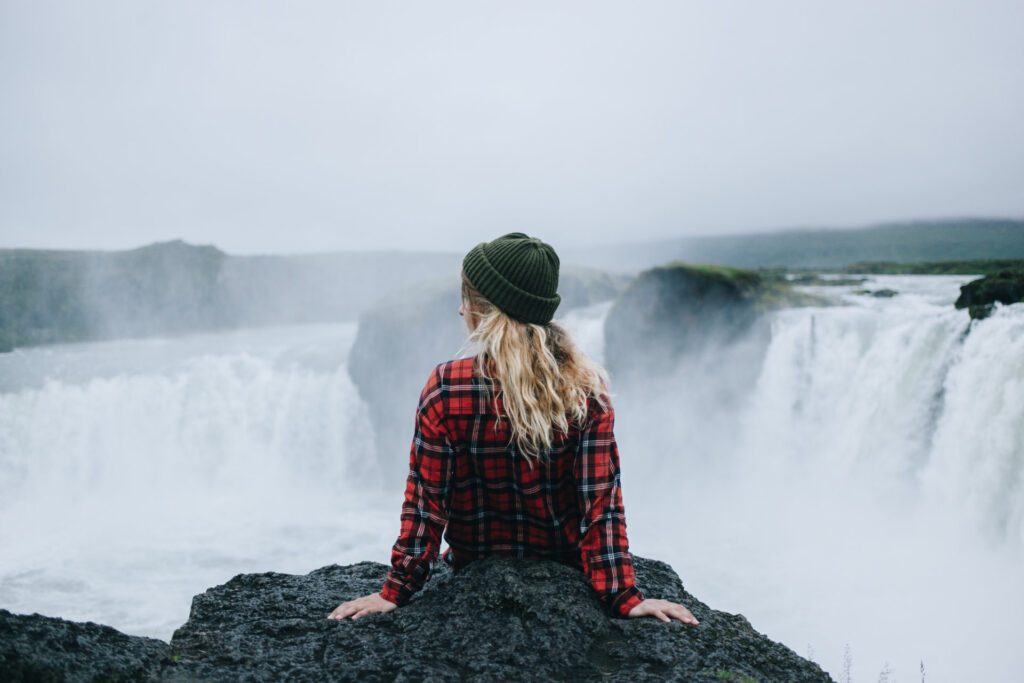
(980, 296)
(501, 619)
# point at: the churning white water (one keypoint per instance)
(869, 496)
(138, 473)
(857, 486)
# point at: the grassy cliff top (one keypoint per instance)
(768, 290)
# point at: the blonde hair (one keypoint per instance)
(544, 379)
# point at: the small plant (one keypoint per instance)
(884, 675)
(847, 665)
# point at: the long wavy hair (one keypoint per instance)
(544, 380)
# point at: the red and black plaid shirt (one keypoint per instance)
(465, 473)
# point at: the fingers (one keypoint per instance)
(682, 614)
(357, 608)
(345, 609)
(667, 611)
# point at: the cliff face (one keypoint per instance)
(499, 619)
(56, 296)
(49, 296)
(686, 310)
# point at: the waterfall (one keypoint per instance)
(977, 458)
(833, 481)
(865, 487)
(910, 394)
(137, 473)
(210, 423)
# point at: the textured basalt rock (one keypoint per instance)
(500, 618)
(980, 296)
(38, 648)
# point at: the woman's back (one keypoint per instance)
(466, 471)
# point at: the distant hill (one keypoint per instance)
(166, 288)
(50, 295)
(917, 241)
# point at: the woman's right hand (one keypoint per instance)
(666, 610)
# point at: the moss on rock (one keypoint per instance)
(680, 307)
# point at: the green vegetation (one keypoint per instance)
(735, 676)
(814, 278)
(952, 240)
(848, 275)
(50, 295)
(767, 289)
(973, 267)
(777, 294)
(746, 281)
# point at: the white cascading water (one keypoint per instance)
(863, 495)
(138, 473)
(868, 498)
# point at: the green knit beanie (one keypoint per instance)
(518, 274)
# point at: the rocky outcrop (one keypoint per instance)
(404, 335)
(677, 309)
(878, 293)
(694, 325)
(980, 296)
(38, 648)
(500, 618)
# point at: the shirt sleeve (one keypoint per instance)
(427, 499)
(604, 546)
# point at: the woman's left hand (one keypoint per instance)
(368, 604)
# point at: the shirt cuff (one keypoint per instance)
(393, 593)
(626, 601)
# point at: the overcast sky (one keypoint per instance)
(308, 126)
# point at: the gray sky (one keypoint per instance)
(308, 126)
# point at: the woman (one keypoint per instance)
(529, 413)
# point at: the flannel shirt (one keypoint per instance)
(468, 482)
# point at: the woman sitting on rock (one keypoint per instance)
(513, 451)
